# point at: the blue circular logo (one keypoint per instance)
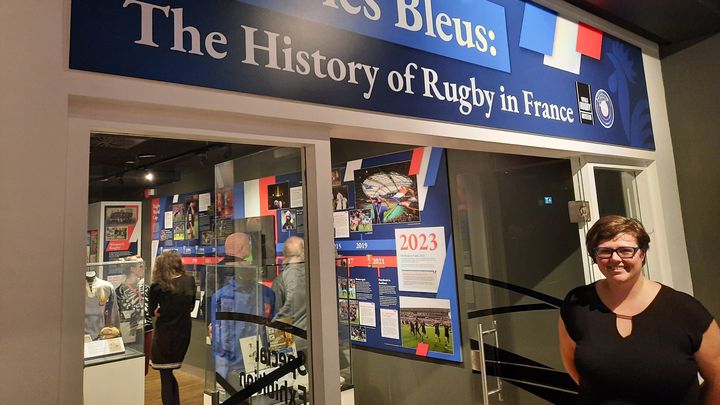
(604, 108)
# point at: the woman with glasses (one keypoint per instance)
(626, 339)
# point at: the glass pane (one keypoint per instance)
(342, 270)
(616, 193)
(520, 256)
(257, 291)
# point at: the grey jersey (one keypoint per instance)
(290, 296)
(100, 307)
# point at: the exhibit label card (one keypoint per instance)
(168, 223)
(420, 258)
(342, 224)
(296, 197)
(367, 313)
(204, 202)
(389, 323)
(106, 347)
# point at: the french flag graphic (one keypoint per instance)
(563, 42)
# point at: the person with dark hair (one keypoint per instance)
(171, 299)
(447, 334)
(626, 339)
(132, 297)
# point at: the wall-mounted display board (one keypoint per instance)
(396, 271)
(114, 230)
(506, 64)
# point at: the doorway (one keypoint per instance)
(520, 255)
(185, 201)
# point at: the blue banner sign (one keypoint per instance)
(503, 64)
(473, 30)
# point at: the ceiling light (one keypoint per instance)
(149, 176)
(147, 156)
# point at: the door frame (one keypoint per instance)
(649, 206)
(95, 116)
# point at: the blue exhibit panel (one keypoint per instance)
(378, 287)
(473, 62)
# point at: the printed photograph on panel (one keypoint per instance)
(191, 218)
(342, 287)
(116, 233)
(426, 320)
(353, 314)
(224, 202)
(278, 196)
(344, 311)
(358, 333)
(361, 221)
(206, 237)
(289, 221)
(120, 216)
(351, 289)
(337, 177)
(340, 198)
(388, 192)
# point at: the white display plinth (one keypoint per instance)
(115, 383)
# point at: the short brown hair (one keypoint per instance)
(610, 226)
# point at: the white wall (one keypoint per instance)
(43, 176)
(38, 365)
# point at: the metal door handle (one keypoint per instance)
(483, 368)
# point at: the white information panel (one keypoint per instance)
(420, 258)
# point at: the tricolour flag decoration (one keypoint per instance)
(589, 41)
(563, 42)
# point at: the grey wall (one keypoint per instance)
(692, 84)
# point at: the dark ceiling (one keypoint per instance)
(673, 24)
(118, 163)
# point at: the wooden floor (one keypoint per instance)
(191, 388)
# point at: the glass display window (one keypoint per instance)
(256, 288)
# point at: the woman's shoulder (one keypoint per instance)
(581, 294)
(681, 301)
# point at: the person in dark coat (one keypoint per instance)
(171, 299)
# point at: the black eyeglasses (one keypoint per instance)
(625, 252)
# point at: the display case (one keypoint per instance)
(115, 321)
(115, 305)
(256, 289)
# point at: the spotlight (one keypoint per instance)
(149, 176)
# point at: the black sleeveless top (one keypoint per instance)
(653, 365)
